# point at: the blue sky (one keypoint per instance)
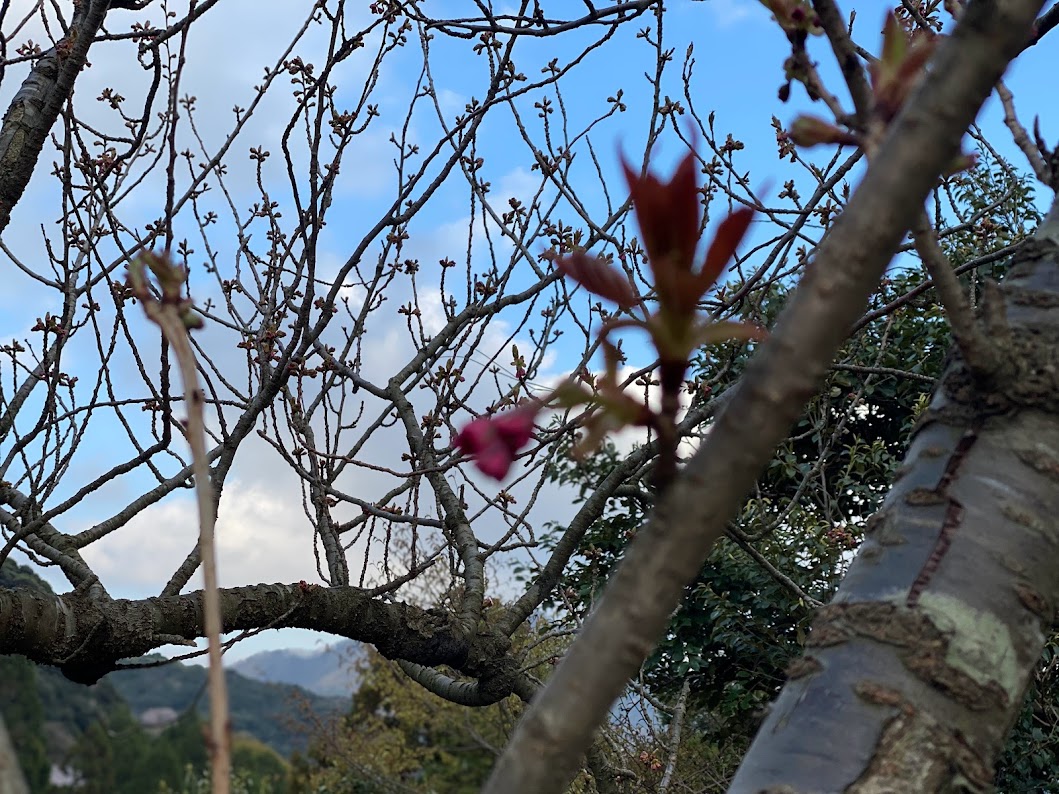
(263, 536)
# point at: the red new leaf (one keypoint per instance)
(599, 278)
(722, 249)
(668, 214)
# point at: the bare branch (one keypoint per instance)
(980, 353)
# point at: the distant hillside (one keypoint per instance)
(14, 576)
(279, 715)
(329, 671)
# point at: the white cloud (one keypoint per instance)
(451, 102)
(262, 536)
(520, 184)
(729, 13)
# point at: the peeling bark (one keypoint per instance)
(914, 674)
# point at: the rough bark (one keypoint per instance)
(36, 105)
(914, 674)
(86, 637)
(545, 752)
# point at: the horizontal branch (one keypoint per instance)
(87, 637)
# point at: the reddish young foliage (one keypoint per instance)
(726, 239)
(599, 278)
(668, 213)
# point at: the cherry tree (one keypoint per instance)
(264, 300)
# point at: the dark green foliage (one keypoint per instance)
(44, 711)
(1030, 763)
(398, 738)
(75, 706)
(23, 714)
(92, 758)
(92, 729)
(273, 713)
(116, 756)
(996, 206)
(19, 577)
(259, 762)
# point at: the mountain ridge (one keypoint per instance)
(329, 671)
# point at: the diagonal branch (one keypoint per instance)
(846, 55)
(37, 103)
(543, 756)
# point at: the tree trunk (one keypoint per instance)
(914, 674)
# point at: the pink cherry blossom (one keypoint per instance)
(493, 441)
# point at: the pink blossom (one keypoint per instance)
(493, 441)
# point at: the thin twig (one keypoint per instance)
(1021, 137)
(744, 543)
(846, 55)
(888, 371)
(173, 315)
(916, 14)
(675, 727)
(978, 352)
